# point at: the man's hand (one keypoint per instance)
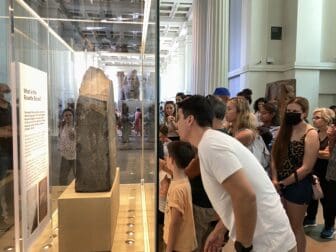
(214, 242)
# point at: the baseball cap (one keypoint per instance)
(222, 91)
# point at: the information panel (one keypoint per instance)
(34, 156)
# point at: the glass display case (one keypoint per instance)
(54, 53)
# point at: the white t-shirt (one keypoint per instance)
(222, 155)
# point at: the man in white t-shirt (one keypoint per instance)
(237, 185)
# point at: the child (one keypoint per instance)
(179, 228)
(164, 181)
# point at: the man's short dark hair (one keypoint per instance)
(181, 152)
(180, 94)
(218, 106)
(199, 107)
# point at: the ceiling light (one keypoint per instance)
(145, 25)
(95, 28)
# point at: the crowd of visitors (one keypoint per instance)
(251, 176)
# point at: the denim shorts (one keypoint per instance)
(299, 193)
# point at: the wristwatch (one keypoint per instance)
(240, 247)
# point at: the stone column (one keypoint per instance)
(217, 45)
(180, 56)
(308, 50)
(188, 62)
(199, 13)
(210, 45)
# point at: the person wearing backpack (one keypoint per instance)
(242, 126)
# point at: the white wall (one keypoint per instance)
(327, 82)
(235, 34)
(307, 85)
(308, 43)
(274, 47)
(308, 36)
(328, 44)
(257, 47)
(235, 85)
(289, 15)
(327, 90)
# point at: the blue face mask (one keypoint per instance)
(292, 118)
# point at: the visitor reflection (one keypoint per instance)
(138, 122)
(67, 146)
(126, 124)
(6, 153)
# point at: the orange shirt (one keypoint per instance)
(179, 197)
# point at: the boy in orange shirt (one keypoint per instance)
(179, 228)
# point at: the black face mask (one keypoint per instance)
(292, 118)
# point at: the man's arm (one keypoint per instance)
(174, 228)
(244, 206)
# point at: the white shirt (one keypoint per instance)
(221, 156)
(67, 144)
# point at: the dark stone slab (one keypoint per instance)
(93, 170)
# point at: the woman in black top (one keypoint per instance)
(322, 117)
(293, 157)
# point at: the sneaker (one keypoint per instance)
(309, 223)
(327, 233)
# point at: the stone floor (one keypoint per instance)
(136, 221)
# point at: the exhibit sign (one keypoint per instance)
(34, 153)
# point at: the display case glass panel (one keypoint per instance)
(94, 67)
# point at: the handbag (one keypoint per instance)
(317, 190)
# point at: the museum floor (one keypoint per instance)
(135, 229)
(130, 199)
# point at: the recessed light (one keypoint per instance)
(129, 241)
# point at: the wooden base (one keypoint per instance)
(87, 221)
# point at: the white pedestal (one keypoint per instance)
(87, 221)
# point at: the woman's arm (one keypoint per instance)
(324, 154)
(331, 132)
(311, 150)
(274, 175)
(245, 136)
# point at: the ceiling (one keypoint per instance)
(114, 28)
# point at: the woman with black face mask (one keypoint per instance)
(293, 157)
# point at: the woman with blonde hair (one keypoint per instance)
(293, 157)
(242, 124)
(322, 118)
